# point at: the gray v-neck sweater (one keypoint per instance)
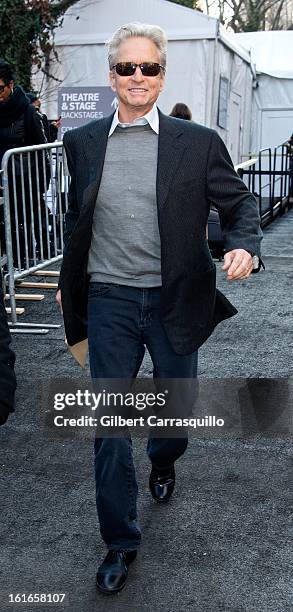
(125, 246)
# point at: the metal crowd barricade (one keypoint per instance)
(241, 168)
(281, 172)
(1, 208)
(35, 191)
(269, 181)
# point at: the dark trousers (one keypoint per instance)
(123, 320)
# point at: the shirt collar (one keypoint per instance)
(152, 118)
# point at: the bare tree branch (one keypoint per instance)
(254, 15)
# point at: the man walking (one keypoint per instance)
(137, 270)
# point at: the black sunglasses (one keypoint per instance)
(149, 69)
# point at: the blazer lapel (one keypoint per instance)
(170, 151)
(95, 147)
(94, 144)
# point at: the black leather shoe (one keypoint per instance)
(112, 574)
(162, 485)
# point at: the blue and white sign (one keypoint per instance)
(80, 105)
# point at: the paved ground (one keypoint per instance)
(224, 543)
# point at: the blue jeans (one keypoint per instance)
(123, 320)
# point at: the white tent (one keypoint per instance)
(272, 118)
(207, 71)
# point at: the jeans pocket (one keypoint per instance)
(99, 289)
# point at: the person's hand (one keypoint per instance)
(58, 299)
(238, 264)
(56, 123)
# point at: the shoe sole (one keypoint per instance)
(113, 592)
(162, 501)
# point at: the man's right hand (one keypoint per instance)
(58, 299)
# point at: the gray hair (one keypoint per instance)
(153, 32)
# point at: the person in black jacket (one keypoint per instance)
(50, 127)
(7, 359)
(21, 125)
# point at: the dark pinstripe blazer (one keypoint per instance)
(194, 170)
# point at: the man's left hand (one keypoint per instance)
(238, 264)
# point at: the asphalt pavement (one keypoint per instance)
(224, 542)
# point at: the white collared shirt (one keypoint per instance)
(152, 118)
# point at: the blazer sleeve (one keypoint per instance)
(72, 212)
(237, 207)
(7, 359)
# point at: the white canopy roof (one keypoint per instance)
(271, 51)
(94, 21)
